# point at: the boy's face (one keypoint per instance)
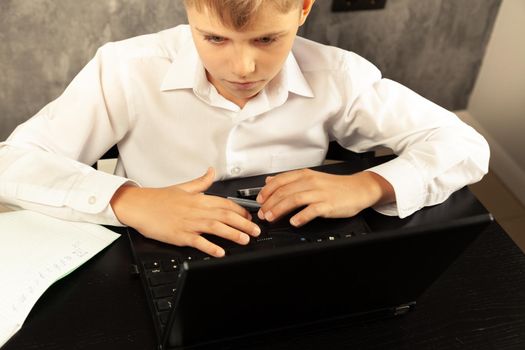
(240, 63)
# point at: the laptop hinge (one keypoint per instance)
(404, 308)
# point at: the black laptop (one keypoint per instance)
(328, 270)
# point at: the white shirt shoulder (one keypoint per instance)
(349, 70)
(164, 44)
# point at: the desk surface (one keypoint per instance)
(478, 303)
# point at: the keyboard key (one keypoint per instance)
(285, 237)
(262, 239)
(163, 304)
(151, 265)
(163, 316)
(161, 278)
(327, 237)
(170, 265)
(163, 291)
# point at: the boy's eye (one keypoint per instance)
(266, 40)
(214, 39)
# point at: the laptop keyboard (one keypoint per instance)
(162, 273)
(161, 277)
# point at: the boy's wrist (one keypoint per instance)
(122, 201)
(379, 189)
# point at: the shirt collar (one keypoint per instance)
(182, 72)
(187, 72)
(295, 80)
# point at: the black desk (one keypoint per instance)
(479, 303)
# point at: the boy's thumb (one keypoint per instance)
(199, 184)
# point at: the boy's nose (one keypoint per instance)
(243, 64)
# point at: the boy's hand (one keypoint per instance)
(180, 214)
(322, 195)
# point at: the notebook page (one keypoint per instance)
(36, 251)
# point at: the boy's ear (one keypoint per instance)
(307, 7)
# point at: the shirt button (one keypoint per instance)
(92, 200)
(236, 170)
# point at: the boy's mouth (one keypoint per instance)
(245, 85)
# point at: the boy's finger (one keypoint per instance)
(289, 204)
(235, 221)
(277, 182)
(268, 179)
(219, 229)
(309, 213)
(202, 244)
(199, 184)
(224, 203)
(283, 192)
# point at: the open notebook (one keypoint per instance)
(35, 252)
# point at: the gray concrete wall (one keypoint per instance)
(433, 46)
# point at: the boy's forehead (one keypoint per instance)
(264, 17)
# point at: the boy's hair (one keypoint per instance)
(238, 14)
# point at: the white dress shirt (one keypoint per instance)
(150, 96)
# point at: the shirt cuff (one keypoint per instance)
(408, 185)
(92, 193)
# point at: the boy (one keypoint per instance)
(235, 93)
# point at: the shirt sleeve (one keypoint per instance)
(45, 163)
(437, 153)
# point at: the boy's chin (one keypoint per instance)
(247, 94)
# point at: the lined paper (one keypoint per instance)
(35, 251)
